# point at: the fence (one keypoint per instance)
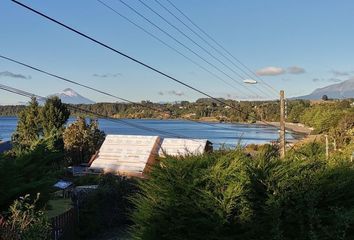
(63, 225)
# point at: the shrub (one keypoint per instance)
(25, 221)
(227, 195)
(107, 207)
(198, 197)
(28, 172)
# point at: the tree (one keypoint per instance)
(324, 97)
(81, 140)
(54, 115)
(29, 128)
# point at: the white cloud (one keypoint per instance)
(171, 92)
(296, 70)
(176, 93)
(13, 75)
(107, 75)
(270, 71)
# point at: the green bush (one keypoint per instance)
(28, 172)
(198, 197)
(227, 195)
(107, 207)
(25, 221)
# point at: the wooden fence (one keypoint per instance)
(63, 225)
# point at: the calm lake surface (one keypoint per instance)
(218, 134)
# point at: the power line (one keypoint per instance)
(134, 59)
(103, 92)
(197, 44)
(228, 52)
(73, 82)
(166, 44)
(207, 42)
(182, 44)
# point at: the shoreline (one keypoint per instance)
(297, 128)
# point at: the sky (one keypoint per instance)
(297, 46)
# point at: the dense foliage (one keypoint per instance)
(28, 129)
(29, 172)
(227, 195)
(82, 140)
(54, 115)
(36, 123)
(107, 207)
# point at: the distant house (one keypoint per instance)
(133, 156)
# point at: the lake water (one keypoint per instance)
(218, 133)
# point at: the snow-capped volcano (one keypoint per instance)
(70, 96)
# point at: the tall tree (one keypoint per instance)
(29, 128)
(54, 115)
(81, 140)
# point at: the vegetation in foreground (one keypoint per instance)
(228, 195)
(43, 148)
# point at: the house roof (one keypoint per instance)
(182, 147)
(132, 155)
(126, 154)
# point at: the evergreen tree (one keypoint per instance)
(54, 115)
(29, 128)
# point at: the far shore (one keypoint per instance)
(295, 127)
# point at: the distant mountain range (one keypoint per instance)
(71, 97)
(339, 90)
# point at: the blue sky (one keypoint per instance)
(295, 45)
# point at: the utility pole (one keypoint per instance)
(282, 125)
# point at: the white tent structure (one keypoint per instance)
(126, 155)
(132, 155)
(182, 147)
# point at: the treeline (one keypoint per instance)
(244, 111)
(11, 110)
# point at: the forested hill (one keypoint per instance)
(201, 109)
(11, 110)
(302, 111)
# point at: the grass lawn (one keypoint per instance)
(58, 206)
